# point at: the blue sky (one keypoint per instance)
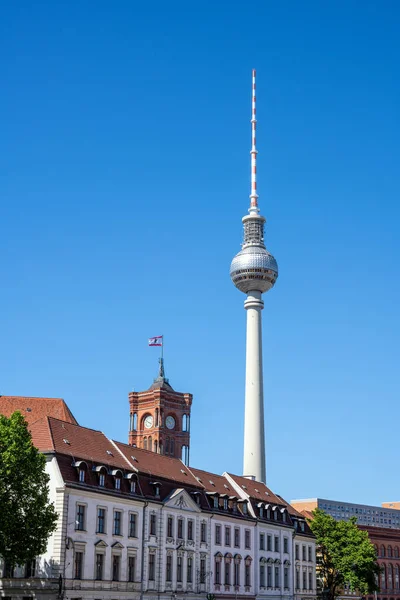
(124, 175)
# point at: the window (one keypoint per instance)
(389, 552)
(99, 566)
(180, 529)
(244, 508)
(217, 571)
(225, 503)
(286, 578)
(82, 475)
(117, 522)
(227, 536)
(269, 543)
(170, 523)
(102, 480)
(277, 583)
(152, 524)
(115, 567)
(247, 575)
(131, 568)
(133, 486)
(310, 553)
(190, 530)
(80, 517)
(237, 537)
(276, 544)
(310, 585)
(297, 553)
(236, 572)
(132, 524)
(262, 541)
(215, 499)
(169, 568)
(189, 576)
(297, 580)
(117, 484)
(269, 576)
(247, 539)
(262, 575)
(179, 569)
(30, 568)
(304, 580)
(218, 534)
(203, 532)
(227, 579)
(152, 566)
(78, 565)
(202, 570)
(304, 553)
(285, 545)
(101, 520)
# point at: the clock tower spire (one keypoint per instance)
(160, 418)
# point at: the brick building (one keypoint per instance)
(383, 526)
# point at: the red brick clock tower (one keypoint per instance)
(160, 419)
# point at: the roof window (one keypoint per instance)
(66, 441)
(109, 453)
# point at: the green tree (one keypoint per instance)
(345, 555)
(26, 516)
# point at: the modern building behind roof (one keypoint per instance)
(370, 516)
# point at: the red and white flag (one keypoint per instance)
(156, 341)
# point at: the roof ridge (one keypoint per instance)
(75, 425)
(8, 396)
(121, 453)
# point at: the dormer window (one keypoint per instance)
(118, 483)
(261, 512)
(216, 504)
(225, 503)
(102, 480)
(302, 525)
(245, 508)
(284, 516)
(133, 487)
(269, 513)
(156, 486)
(82, 475)
(275, 515)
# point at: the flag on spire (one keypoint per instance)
(156, 341)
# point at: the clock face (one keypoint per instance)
(148, 422)
(170, 422)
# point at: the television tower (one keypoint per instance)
(254, 271)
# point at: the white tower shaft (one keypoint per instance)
(254, 438)
(254, 271)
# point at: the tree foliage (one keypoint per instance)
(26, 517)
(345, 555)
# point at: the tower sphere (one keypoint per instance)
(254, 269)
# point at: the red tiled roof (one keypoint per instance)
(36, 408)
(257, 490)
(214, 483)
(158, 465)
(78, 442)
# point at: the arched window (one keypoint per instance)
(145, 443)
(376, 549)
(167, 445)
(396, 577)
(149, 443)
(172, 447)
(157, 417)
(155, 446)
(383, 578)
(217, 568)
(133, 421)
(389, 551)
(390, 576)
(160, 447)
(396, 552)
(383, 553)
(184, 423)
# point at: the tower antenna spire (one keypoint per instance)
(253, 152)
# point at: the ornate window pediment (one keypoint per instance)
(101, 544)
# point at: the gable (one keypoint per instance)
(181, 500)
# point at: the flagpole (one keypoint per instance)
(162, 348)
